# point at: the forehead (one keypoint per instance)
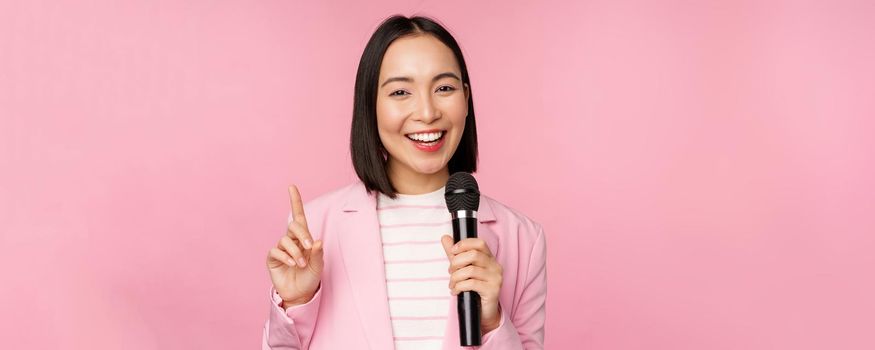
(417, 56)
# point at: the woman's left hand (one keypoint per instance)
(474, 268)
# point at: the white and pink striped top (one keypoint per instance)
(416, 267)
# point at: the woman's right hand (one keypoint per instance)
(295, 264)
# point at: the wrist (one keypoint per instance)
(295, 302)
(484, 328)
(300, 301)
(487, 326)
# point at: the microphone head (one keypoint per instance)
(462, 192)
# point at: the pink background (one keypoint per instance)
(703, 170)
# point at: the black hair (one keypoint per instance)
(369, 157)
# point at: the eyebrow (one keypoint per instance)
(436, 78)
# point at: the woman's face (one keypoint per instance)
(420, 97)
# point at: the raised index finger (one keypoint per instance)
(297, 205)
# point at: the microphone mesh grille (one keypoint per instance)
(462, 192)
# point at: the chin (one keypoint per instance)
(427, 169)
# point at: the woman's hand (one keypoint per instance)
(474, 268)
(295, 264)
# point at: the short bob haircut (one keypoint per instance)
(369, 157)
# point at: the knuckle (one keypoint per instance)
(303, 230)
(290, 245)
(464, 256)
(456, 265)
(475, 258)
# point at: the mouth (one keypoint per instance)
(429, 141)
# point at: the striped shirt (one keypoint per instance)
(416, 266)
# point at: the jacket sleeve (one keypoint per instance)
(290, 329)
(523, 328)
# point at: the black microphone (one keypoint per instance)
(463, 200)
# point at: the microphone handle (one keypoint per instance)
(468, 303)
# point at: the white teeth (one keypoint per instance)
(426, 137)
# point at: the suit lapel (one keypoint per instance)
(362, 252)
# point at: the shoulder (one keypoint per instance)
(318, 208)
(333, 200)
(512, 220)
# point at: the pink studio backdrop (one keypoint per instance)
(703, 170)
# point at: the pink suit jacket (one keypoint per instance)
(351, 309)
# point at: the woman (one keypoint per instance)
(373, 264)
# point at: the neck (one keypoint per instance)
(408, 181)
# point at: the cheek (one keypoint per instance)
(456, 108)
(389, 119)
(458, 116)
(389, 127)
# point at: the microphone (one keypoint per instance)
(463, 199)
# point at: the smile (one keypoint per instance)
(427, 141)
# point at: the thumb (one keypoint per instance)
(447, 242)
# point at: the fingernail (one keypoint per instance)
(302, 262)
(456, 248)
(308, 243)
(292, 262)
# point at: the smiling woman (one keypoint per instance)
(413, 118)
(375, 266)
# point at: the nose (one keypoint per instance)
(428, 112)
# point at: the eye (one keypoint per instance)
(449, 88)
(394, 93)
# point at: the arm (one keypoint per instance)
(292, 328)
(524, 329)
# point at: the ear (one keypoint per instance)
(467, 93)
